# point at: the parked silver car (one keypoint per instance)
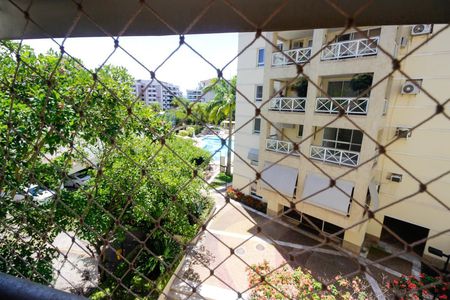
(78, 179)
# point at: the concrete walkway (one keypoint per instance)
(218, 264)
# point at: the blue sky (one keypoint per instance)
(184, 68)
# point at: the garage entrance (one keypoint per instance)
(300, 220)
(408, 232)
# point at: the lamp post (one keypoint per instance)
(439, 253)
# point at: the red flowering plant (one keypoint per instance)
(424, 287)
(286, 283)
(246, 199)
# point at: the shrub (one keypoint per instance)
(247, 200)
(183, 133)
(286, 283)
(198, 129)
(190, 130)
(409, 287)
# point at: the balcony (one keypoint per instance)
(351, 105)
(335, 156)
(351, 49)
(298, 55)
(288, 104)
(279, 146)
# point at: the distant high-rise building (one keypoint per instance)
(199, 92)
(157, 92)
(193, 95)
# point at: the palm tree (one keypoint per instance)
(222, 107)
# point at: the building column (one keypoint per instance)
(354, 238)
(374, 229)
(274, 209)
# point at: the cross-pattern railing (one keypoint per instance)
(351, 105)
(279, 146)
(298, 55)
(335, 156)
(349, 49)
(292, 104)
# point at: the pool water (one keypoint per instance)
(213, 143)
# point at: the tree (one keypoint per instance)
(152, 202)
(51, 111)
(222, 107)
(198, 112)
(47, 103)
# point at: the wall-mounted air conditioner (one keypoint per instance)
(411, 87)
(403, 132)
(420, 29)
(395, 177)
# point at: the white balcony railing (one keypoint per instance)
(298, 55)
(335, 156)
(292, 104)
(349, 49)
(351, 105)
(279, 146)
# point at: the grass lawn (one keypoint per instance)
(221, 180)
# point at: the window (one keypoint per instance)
(297, 44)
(359, 35)
(254, 162)
(309, 43)
(341, 89)
(259, 93)
(343, 139)
(257, 125)
(300, 130)
(260, 57)
(280, 46)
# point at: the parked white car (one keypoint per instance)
(78, 179)
(38, 194)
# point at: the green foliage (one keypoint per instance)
(224, 177)
(224, 103)
(198, 114)
(410, 287)
(247, 199)
(183, 133)
(301, 87)
(361, 82)
(190, 130)
(223, 107)
(51, 111)
(143, 202)
(286, 283)
(221, 180)
(45, 101)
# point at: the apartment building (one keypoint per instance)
(298, 143)
(194, 95)
(154, 92)
(199, 93)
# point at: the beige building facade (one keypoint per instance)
(298, 143)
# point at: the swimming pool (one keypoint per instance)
(213, 143)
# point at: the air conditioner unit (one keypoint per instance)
(403, 132)
(421, 29)
(410, 88)
(396, 177)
